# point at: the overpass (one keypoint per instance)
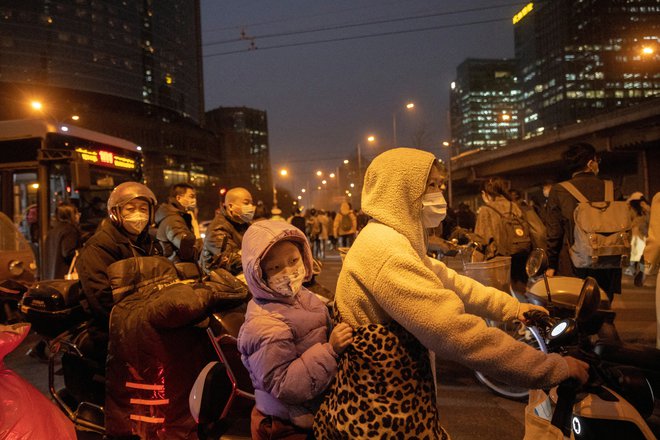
(627, 139)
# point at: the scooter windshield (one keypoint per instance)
(10, 237)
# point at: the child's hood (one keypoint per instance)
(257, 241)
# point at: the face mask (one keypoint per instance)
(288, 284)
(188, 204)
(247, 212)
(135, 222)
(434, 209)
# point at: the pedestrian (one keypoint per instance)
(178, 230)
(562, 204)
(125, 234)
(298, 220)
(640, 211)
(222, 245)
(322, 237)
(652, 257)
(543, 206)
(286, 342)
(62, 241)
(402, 303)
(501, 223)
(345, 226)
(331, 229)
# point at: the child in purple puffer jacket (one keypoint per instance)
(287, 341)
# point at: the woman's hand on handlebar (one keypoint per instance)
(526, 307)
(577, 369)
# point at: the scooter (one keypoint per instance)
(55, 310)
(618, 400)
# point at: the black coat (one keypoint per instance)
(222, 244)
(156, 349)
(108, 245)
(61, 243)
(175, 233)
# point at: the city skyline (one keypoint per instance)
(322, 99)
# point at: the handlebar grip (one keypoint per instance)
(566, 392)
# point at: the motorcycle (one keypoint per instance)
(618, 400)
(55, 309)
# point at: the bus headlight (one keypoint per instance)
(16, 268)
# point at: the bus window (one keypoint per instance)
(25, 196)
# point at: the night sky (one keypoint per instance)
(324, 98)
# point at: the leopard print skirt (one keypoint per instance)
(383, 389)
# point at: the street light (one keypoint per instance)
(409, 106)
(283, 172)
(449, 188)
(370, 138)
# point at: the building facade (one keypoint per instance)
(484, 105)
(243, 140)
(578, 59)
(128, 69)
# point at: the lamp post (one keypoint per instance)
(283, 172)
(409, 106)
(449, 186)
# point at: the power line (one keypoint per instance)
(354, 25)
(302, 17)
(359, 37)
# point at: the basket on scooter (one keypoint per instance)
(495, 272)
(53, 306)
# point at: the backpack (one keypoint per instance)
(538, 232)
(602, 229)
(512, 233)
(345, 224)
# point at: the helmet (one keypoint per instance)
(124, 193)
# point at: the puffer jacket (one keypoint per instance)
(222, 245)
(284, 341)
(156, 350)
(175, 232)
(387, 276)
(61, 244)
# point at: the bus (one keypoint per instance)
(43, 163)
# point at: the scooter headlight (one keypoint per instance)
(16, 268)
(562, 330)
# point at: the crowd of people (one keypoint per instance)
(323, 374)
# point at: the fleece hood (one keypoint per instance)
(392, 193)
(257, 241)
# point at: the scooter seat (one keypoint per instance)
(640, 356)
(565, 292)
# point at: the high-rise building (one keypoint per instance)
(127, 69)
(243, 137)
(143, 51)
(581, 58)
(484, 99)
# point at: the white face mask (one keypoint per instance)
(434, 209)
(288, 284)
(247, 213)
(135, 222)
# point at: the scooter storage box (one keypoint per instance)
(53, 306)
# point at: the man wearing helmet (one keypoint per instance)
(222, 245)
(124, 235)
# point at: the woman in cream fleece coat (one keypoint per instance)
(402, 303)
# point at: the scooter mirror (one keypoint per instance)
(537, 263)
(588, 301)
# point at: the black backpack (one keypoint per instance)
(512, 235)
